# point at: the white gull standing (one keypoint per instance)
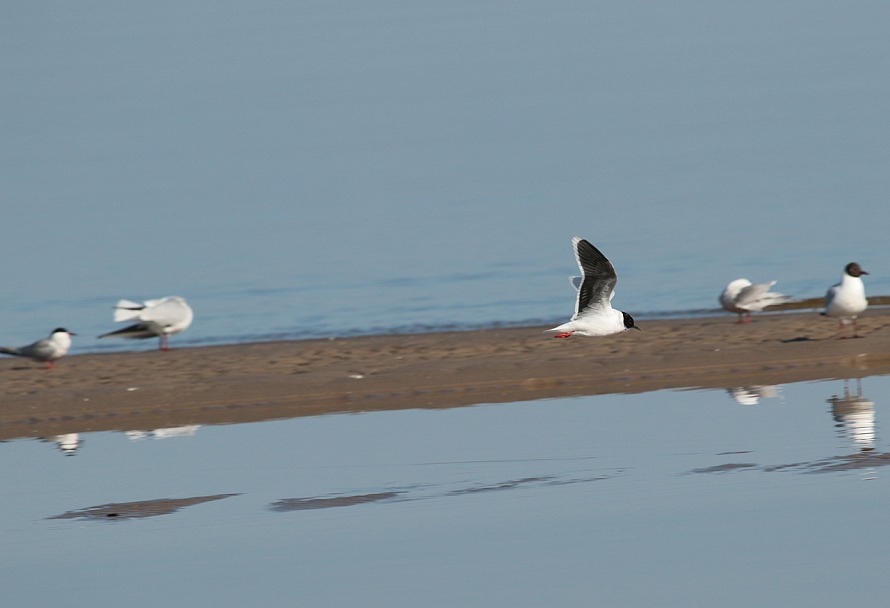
(594, 315)
(47, 351)
(161, 318)
(743, 297)
(846, 300)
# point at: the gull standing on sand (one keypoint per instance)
(48, 350)
(161, 318)
(594, 315)
(846, 300)
(743, 297)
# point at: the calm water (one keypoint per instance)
(312, 168)
(671, 498)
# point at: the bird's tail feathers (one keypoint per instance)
(10, 350)
(126, 310)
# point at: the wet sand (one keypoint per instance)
(264, 381)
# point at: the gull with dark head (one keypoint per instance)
(846, 300)
(743, 297)
(48, 351)
(594, 315)
(161, 318)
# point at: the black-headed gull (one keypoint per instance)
(594, 315)
(161, 318)
(846, 300)
(743, 297)
(48, 350)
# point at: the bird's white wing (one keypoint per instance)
(166, 312)
(753, 294)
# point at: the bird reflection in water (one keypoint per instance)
(854, 416)
(166, 433)
(67, 443)
(751, 395)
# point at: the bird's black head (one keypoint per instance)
(63, 330)
(629, 322)
(854, 270)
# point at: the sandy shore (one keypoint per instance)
(252, 382)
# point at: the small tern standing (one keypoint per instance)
(594, 315)
(48, 351)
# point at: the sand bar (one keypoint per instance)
(274, 380)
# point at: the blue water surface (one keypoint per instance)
(767, 496)
(300, 169)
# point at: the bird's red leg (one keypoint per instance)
(564, 334)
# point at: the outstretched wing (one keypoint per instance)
(598, 277)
